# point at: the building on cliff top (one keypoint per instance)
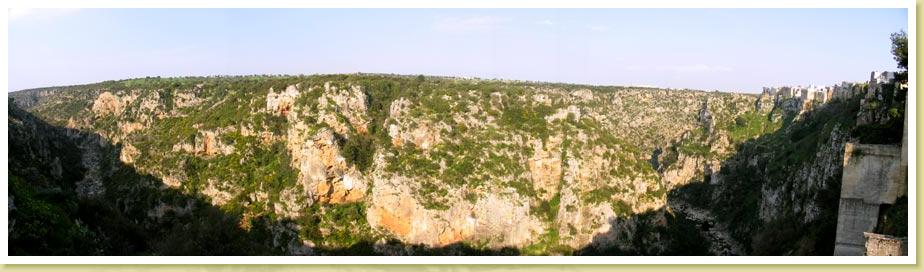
(812, 96)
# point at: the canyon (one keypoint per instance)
(374, 164)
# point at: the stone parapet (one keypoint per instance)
(885, 245)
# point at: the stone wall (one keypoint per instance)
(884, 245)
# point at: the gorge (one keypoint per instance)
(375, 164)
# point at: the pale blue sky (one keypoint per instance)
(724, 49)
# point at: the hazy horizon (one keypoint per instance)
(666, 48)
(384, 74)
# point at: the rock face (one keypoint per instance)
(819, 174)
(107, 104)
(91, 186)
(330, 161)
(706, 118)
(282, 103)
(129, 153)
(129, 127)
(185, 99)
(402, 131)
(686, 169)
(350, 103)
(219, 193)
(545, 168)
(486, 166)
(495, 221)
(324, 172)
(207, 143)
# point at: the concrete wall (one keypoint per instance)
(873, 175)
(854, 217)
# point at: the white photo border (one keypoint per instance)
(909, 5)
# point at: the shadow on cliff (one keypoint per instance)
(136, 214)
(660, 232)
(55, 210)
(804, 210)
(779, 194)
(666, 231)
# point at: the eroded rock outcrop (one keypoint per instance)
(350, 103)
(129, 153)
(323, 172)
(684, 170)
(479, 163)
(210, 143)
(127, 128)
(185, 99)
(494, 220)
(401, 130)
(281, 103)
(107, 104)
(545, 168)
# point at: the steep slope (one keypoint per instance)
(381, 164)
(69, 195)
(778, 194)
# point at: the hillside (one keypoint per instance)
(414, 165)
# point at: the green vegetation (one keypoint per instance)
(778, 155)
(121, 220)
(523, 188)
(530, 119)
(43, 224)
(695, 144)
(486, 129)
(598, 195)
(888, 118)
(750, 125)
(358, 150)
(893, 219)
(165, 97)
(548, 244)
(337, 226)
(900, 49)
(472, 157)
(548, 209)
(621, 207)
(684, 237)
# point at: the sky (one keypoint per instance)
(738, 50)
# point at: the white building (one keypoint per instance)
(806, 94)
(882, 77)
(844, 90)
(821, 96)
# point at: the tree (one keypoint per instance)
(900, 49)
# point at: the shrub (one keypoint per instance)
(359, 151)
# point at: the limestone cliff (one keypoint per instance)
(387, 164)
